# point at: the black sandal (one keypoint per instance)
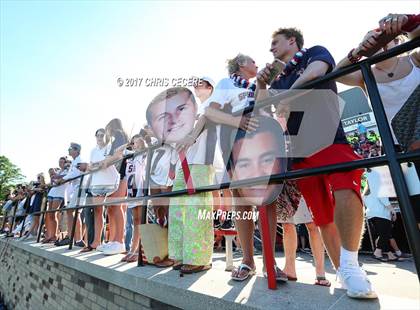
(380, 258)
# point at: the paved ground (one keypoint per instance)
(396, 283)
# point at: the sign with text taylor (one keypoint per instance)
(350, 124)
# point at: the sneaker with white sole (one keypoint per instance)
(114, 248)
(354, 279)
(103, 246)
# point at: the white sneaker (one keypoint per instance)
(354, 279)
(114, 248)
(103, 246)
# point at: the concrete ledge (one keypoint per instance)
(214, 289)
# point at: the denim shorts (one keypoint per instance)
(51, 198)
(103, 190)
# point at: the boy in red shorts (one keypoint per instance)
(334, 198)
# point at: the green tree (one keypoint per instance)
(9, 176)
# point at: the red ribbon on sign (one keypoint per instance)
(187, 173)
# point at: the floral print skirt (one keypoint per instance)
(190, 235)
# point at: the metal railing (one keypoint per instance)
(391, 158)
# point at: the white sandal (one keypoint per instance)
(250, 272)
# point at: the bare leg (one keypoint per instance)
(136, 231)
(119, 220)
(98, 222)
(394, 244)
(111, 222)
(290, 245)
(78, 230)
(53, 223)
(317, 248)
(34, 226)
(245, 230)
(332, 242)
(348, 218)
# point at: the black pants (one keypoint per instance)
(383, 229)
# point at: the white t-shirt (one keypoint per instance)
(59, 191)
(21, 206)
(196, 154)
(161, 161)
(395, 93)
(72, 173)
(105, 177)
(226, 92)
(376, 206)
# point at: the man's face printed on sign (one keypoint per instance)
(172, 118)
(258, 154)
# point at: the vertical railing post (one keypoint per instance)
(144, 202)
(76, 212)
(27, 205)
(10, 233)
(407, 212)
(268, 251)
(42, 219)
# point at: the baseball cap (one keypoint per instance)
(75, 146)
(208, 80)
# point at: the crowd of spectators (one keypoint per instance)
(196, 145)
(366, 144)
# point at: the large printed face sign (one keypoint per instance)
(258, 154)
(172, 114)
(312, 118)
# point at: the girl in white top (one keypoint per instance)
(396, 77)
(104, 182)
(379, 211)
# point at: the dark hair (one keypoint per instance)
(116, 128)
(99, 130)
(291, 33)
(166, 94)
(266, 124)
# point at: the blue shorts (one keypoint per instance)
(51, 198)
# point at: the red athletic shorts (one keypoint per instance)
(318, 190)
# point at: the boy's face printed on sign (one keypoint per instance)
(173, 118)
(256, 156)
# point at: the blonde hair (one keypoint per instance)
(234, 64)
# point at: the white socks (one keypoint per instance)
(347, 257)
(398, 253)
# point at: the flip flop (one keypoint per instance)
(87, 249)
(249, 272)
(380, 258)
(280, 275)
(322, 281)
(46, 240)
(163, 263)
(126, 257)
(177, 266)
(132, 258)
(190, 269)
(294, 279)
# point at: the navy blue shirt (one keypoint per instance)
(315, 53)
